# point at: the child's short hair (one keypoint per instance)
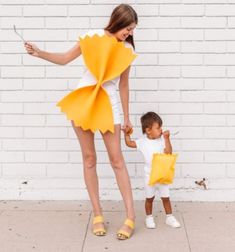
(147, 120)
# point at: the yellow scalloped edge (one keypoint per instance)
(111, 37)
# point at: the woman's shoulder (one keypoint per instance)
(129, 45)
(91, 33)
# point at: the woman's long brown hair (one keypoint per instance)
(122, 16)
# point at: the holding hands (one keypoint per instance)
(127, 128)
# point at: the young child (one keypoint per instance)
(154, 140)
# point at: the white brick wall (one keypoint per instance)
(185, 71)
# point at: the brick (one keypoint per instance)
(182, 108)
(203, 71)
(180, 84)
(203, 120)
(11, 84)
(181, 10)
(7, 107)
(22, 72)
(11, 132)
(49, 132)
(203, 96)
(10, 60)
(158, 47)
(180, 59)
(24, 144)
(157, 71)
(158, 96)
(23, 170)
(222, 157)
(199, 171)
(45, 84)
(90, 10)
(11, 156)
(204, 144)
(67, 22)
(219, 132)
(23, 96)
(159, 22)
(180, 34)
(23, 120)
(220, 10)
(203, 46)
(22, 23)
(46, 157)
(44, 10)
(203, 22)
(10, 11)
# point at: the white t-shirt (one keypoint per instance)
(148, 147)
(88, 78)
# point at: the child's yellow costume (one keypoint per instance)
(163, 168)
(89, 107)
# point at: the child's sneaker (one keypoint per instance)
(171, 221)
(149, 221)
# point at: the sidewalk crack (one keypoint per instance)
(84, 240)
(186, 233)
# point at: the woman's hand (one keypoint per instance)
(32, 49)
(127, 126)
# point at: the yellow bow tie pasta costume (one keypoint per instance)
(89, 107)
(163, 168)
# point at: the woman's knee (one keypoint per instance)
(117, 162)
(89, 161)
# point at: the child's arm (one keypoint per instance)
(130, 143)
(168, 147)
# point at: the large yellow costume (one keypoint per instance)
(89, 107)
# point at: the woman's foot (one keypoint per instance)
(98, 226)
(126, 230)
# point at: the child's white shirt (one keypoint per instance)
(148, 147)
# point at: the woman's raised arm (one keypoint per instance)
(57, 58)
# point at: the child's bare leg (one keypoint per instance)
(170, 219)
(149, 205)
(149, 221)
(167, 205)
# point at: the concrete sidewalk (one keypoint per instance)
(65, 226)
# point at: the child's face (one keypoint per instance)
(155, 131)
(122, 34)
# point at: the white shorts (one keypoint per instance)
(150, 191)
(110, 88)
(114, 103)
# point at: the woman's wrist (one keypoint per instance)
(40, 53)
(126, 117)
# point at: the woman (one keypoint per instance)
(122, 22)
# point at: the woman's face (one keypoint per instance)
(122, 34)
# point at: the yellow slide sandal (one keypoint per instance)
(122, 234)
(99, 231)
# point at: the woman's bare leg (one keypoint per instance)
(86, 140)
(113, 146)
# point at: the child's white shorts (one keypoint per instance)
(150, 191)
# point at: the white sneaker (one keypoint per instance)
(149, 222)
(171, 221)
